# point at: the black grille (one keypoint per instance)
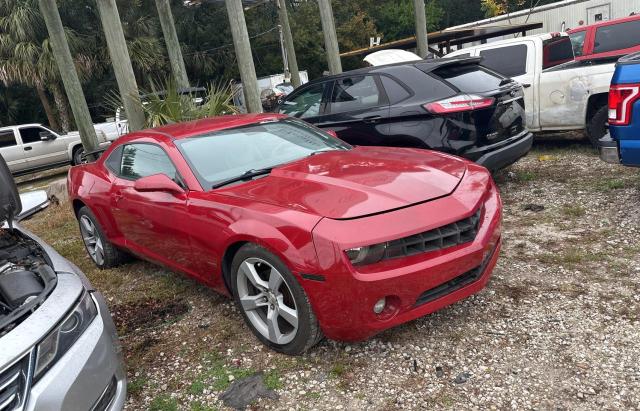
(107, 396)
(460, 232)
(455, 283)
(13, 385)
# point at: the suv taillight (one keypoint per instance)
(456, 104)
(621, 100)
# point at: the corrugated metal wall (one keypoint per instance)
(569, 12)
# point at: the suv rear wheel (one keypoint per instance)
(272, 302)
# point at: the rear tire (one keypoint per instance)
(272, 302)
(597, 125)
(77, 156)
(100, 250)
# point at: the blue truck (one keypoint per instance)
(622, 144)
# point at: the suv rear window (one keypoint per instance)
(617, 37)
(469, 78)
(555, 51)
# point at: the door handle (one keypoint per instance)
(28, 148)
(526, 85)
(372, 119)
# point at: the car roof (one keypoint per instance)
(544, 36)
(197, 127)
(605, 23)
(423, 65)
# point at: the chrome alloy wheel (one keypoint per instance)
(267, 300)
(92, 240)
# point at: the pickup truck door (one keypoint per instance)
(517, 61)
(42, 147)
(12, 151)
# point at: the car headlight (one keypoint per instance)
(58, 342)
(367, 254)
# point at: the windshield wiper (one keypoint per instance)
(244, 176)
(313, 153)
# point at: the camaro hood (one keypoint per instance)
(355, 183)
(10, 205)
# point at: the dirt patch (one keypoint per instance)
(146, 314)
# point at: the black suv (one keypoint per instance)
(452, 105)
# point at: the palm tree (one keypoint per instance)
(26, 57)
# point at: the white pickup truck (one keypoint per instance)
(560, 93)
(32, 147)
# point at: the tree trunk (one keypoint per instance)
(51, 117)
(61, 106)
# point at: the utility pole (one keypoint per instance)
(422, 43)
(243, 54)
(121, 63)
(291, 62)
(330, 36)
(173, 45)
(70, 80)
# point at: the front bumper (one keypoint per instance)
(90, 376)
(413, 286)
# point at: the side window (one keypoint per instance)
(355, 93)
(31, 134)
(556, 51)
(142, 160)
(510, 61)
(7, 138)
(305, 104)
(115, 160)
(577, 40)
(395, 91)
(617, 37)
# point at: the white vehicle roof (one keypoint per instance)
(543, 37)
(24, 125)
(390, 56)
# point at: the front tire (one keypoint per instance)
(100, 250)
(77, 156)
(597, 125)
(273, 303)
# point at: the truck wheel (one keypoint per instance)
(77, 156)
(597, 125)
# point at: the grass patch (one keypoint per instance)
(525, 176)
(572, 257)
(163, 403)
(199, 406)
(216, 375)
(136, 385)
(338, 370)
(273, 381)
(610, 184)
(573, 210)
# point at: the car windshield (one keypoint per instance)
(228, 154)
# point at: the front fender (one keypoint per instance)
(293, 245)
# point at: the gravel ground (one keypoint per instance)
(558, 326)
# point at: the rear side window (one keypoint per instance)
(355, 93)
(577, 41)
(617, 37)
(115, 160)
(469, 78)
(304, 104)
(555, 51)
(510, 61)
(142, 160)
(7, 138)
(395, 91)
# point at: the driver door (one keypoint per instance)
(154, 224)
(42, 148)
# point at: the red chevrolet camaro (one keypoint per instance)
(309, 235)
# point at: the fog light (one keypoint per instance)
(379, 306)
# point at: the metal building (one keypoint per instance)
(563, 15)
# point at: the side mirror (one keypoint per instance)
(47, 136)
(157, 182)
(332, 133)
(32, 203)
